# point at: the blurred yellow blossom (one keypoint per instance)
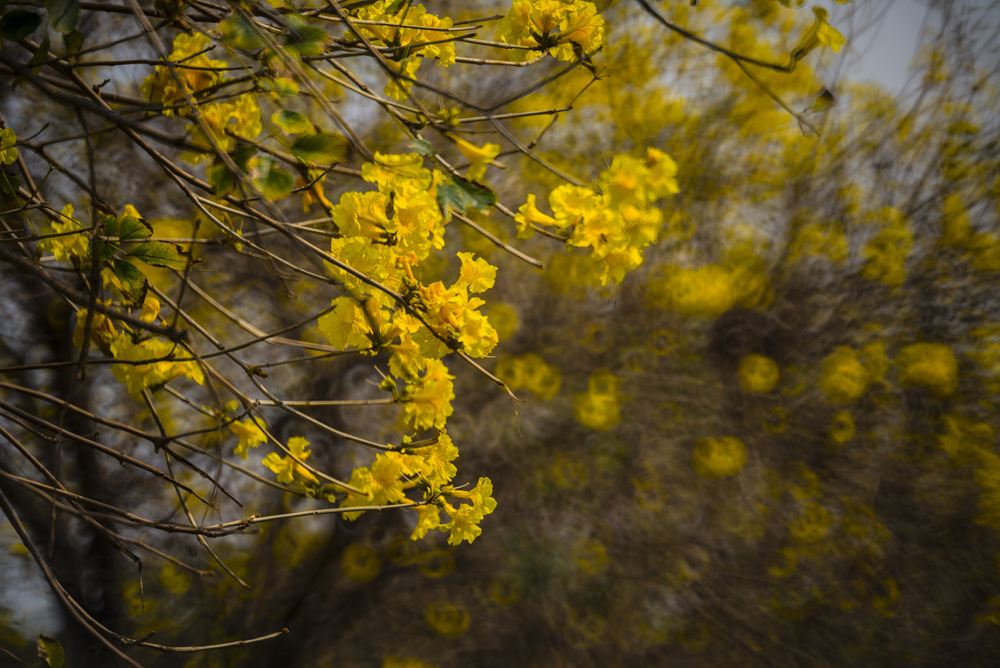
(842, 376)
(758, 373)
(598, 408)
(929, 365)
(719, 457)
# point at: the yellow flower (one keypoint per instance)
(820, 33)
(719, 457)
(929, 365)
(287, 468)
(250, 435)
(427, 399)
(843, 377)
(758, 373)
(360, 562)
(194, 73)
(598, 407)
(164, 369)
(71, 242)
(842, 429)
(528, 216)
(554, 25)
(478, 156)
(477, 275)
(448, 619)
(812, 524)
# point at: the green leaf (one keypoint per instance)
(63, 14)
(281, 86)
(322, 149)
(101, 249)
(133, 228)
(306, 39)
(50, 651)
(224, 181)
(160, 254)
(240, 33)
(18, 24)
(9, 182)
(110, 224)
(292, 122)
(8, 151)
(72, 41)
(423, 147)
(132, 280)
(41, 55)
(460, 195)
(273, 182)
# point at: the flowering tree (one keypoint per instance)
(211, 209)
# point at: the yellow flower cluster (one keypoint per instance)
(428, 468)
(389, 247)
(710, 290)
(69, 241)
(194, 72)
(150, 364)
(552, 25)
(530, 372)
(758, 373)
(290, 468)
(929, 365)
(719, 457)
(843, 376)
(249, 433)
(615, 222)
(598, 408)
(886, 253)
(424, 35)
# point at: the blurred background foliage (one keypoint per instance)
(773, 444)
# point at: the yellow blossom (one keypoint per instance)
(929, 365)
(843, 377)
(249, 433)
(427, 399)
(478, 156)
(71, 242)
(719, 457)
(758, 373)
(287, 468)
(158, 371)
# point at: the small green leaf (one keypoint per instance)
(460, 195)
(308, 40)
(18, 24)
(423, 147)
(224, 181)
(63, 14)
(110, 224)
(322, 149)
(160, 254)
(132, 280)
(239, 33)
(281, 86)
(273, 182)
(9, 182)
(101, 249)
(41, 55)
(292, 122)
(8, 150)
(50, 651)
(72, 41)
(133, 228)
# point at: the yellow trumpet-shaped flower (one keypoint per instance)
(820, 33)
(478, 156)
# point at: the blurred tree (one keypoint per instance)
(755, 448)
